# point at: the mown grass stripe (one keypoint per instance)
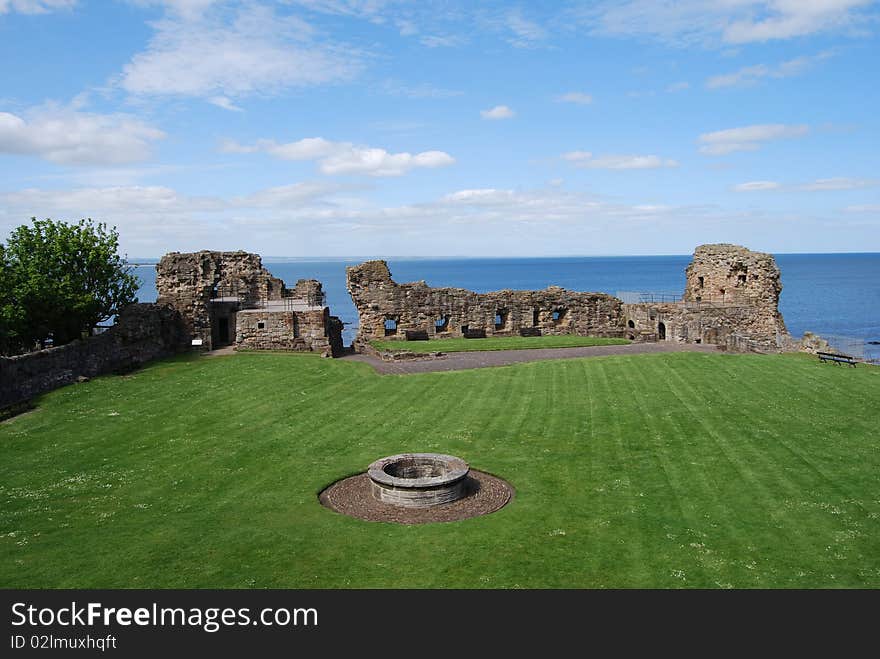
(207, 472)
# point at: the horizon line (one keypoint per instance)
(452, 257)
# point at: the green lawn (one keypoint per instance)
(666, 470)
(498, 343)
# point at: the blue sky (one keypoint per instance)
(382, 127)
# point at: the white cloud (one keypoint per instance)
(526, 33)
(749, 75)
(678, 87)
(498, 112)
(423, 90)
(283, 220)
(406, 27)
(378, 162)
(344, 157)
(369, 9)
(839, 183)
(441, 41)
(71, 137)
(710, 22)
(819, 185)
(725, 148)
(284, 195)
(85, 201)
(225, 103)
(753, 186)
(481, 197)
(155, 200)
(189, 9)
(747, 138)
(863, 208)
(585, 159)
(577, 156)
(310, 148)
(34, 6)
(784, 19)
(578, 98)
(262, 53)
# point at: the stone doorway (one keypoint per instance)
(222, 325)
(221, 333)
(661, 331)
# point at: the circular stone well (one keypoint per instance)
(418, 480)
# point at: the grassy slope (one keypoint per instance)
(669, 470)
(501, 343)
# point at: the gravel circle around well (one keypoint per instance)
(353, 497)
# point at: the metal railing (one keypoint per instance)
(233, 292)
(650, 297)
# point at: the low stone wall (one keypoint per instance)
(725, 326)
(143, 332)
(308, 331)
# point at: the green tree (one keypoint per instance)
(59, 280)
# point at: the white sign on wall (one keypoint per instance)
(197, 342)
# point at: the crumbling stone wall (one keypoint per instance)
(699, 323)
(387, 310)
(731, 275)
(188, 283)
(309, 289)
(230, 298)
(142, 332)
(731, 299)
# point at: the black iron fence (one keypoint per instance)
(650, 297)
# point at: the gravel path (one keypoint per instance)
(457, 361)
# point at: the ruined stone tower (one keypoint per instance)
(731, 299)
(205, 286)
(229, 298)
(732, 275)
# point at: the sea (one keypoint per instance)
(834, 295)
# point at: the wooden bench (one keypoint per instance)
(416, 335)
(836, 358)
(530, 331)
(474, 334)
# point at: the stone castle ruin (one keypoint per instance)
(229, 298)
(731, 299)
(208, 300)
(388, 310)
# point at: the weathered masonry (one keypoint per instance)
(731, 299)
(229, 298)
(142, 332)
(390, 310)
